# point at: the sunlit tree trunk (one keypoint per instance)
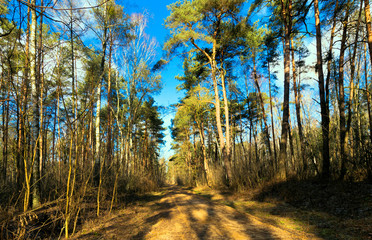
(351, 87)
(285, 119)
(367, 11)
(109, 120)
(341, 98)
(204, 151)
(40, 59)
(35, 109)
(99, 164)
(291, 146)
(56, 110)
(297, 93)
(214, 69)
(272, 119)
(262, 104)
(69, 188)
(227, 154)
(74, 134)
(22, 161)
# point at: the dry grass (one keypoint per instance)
(329, 211)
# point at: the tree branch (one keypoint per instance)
(62, 9)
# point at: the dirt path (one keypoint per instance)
(180, 214)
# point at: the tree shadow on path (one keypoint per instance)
(180, 214)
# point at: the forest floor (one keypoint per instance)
(295, 209)
(182, 213)
(333, 210)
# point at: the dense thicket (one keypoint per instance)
(78, 122)
(238, 124)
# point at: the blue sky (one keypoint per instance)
(158, 12)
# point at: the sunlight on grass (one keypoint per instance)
(296, 220)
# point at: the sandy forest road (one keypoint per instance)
(180, 214)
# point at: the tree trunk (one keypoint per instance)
(109, 120)
(98, 163)
(266, 128)
(35, 110)
(224, 148)
(291, 146)
(285, 120)
(352, 88)
(205, 159)
(242, 142)
(369, 27)
(297, 93)
(272, 120)
(5, 128)
(341, 99)
(41, 92)
(322, 94)
(227, 156)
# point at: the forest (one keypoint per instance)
(242, 124)
(272, 91)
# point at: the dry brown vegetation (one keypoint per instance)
(300, 205)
